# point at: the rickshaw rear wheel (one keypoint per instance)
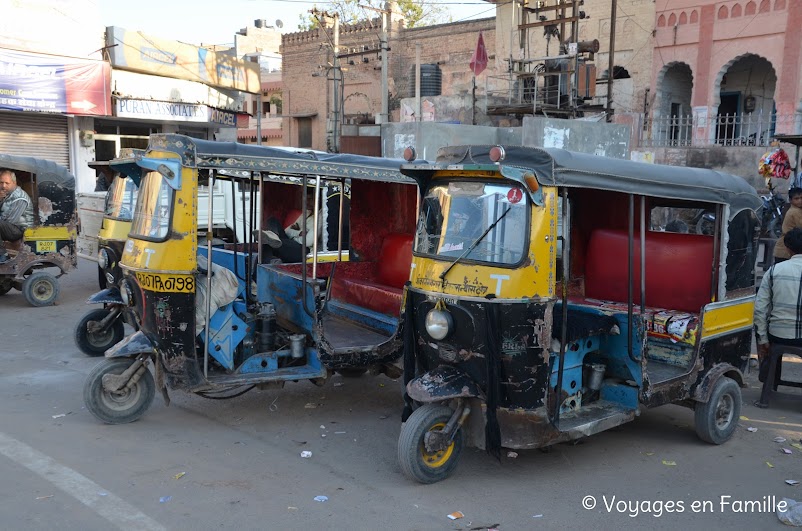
(124, 406)
(717, 418)
(415, 460)
(97, 343)
(40, 289)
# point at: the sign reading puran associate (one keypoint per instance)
(135, 51)
(173, 111)
(47, 83)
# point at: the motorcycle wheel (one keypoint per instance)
(97, 343)
(418, 463)
(774, 229)
(124, 406)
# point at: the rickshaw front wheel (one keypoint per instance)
(123, 406)
(717, 418)
(97, 343)
(40, 289)
(416, 461)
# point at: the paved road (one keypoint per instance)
(242, 469)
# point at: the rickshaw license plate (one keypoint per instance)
(46, 246)
(167, 283)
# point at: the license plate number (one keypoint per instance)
(46, 246)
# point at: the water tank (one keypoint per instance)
(431, 80)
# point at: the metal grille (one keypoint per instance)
(35, 135)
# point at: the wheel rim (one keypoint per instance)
(725, 409)
(121, 400)
(440, 457)
(42, 290)
(98, 339)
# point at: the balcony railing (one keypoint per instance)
(753, 129)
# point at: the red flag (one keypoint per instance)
(479, 59)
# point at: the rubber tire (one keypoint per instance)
(113, 335)
(705, 414)
(101, 279)
(102, 404)
(775, 228)
(40, 281)
(410, 445)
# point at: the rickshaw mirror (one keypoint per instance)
(170, 170)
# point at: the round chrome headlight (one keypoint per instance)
(439, 323)
(103, 259)
(126, 294)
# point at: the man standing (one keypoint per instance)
(16, 211)
(778, 312)
(792, 219)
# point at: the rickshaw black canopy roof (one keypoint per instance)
(559, 167)
(45, 170)
(207, 154)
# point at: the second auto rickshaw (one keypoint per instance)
(220, 321)
(555, 294)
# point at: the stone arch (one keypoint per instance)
(744, 91)
(672, 19)
(751, 7)
(736, 11)
(723, 13)
(661, 21)
(694, 17)
(672, 102)
(683, 18)
(779, 5)
(765, 6)
(358, 103)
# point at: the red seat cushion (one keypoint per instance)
(377, 297)
(395, 258)
(678, 269)
(291, 217)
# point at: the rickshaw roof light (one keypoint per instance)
(531, 182)
(410, 154)
(496, 153)
(164, 170)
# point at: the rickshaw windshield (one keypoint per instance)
(153, 208)
(121, 199)
(490, 217)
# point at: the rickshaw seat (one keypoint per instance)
(678, 269)
(383, 292)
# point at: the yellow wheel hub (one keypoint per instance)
(439, 458)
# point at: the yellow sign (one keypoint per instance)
(166, 283)
(46, 246)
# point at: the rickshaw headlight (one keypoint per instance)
(439, 323)
(126, 294)
(103, 259)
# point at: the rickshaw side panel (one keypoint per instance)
(284, 290)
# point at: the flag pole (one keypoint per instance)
(473, 108)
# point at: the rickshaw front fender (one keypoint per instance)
(701, 392)
(133, 345)
(441, 384)
(106, 296)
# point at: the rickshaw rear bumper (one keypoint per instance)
(106, 296)
(441, 384)
(133, 345)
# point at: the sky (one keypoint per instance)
(216, 21)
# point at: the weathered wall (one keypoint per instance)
(598, 138)
(428, 137)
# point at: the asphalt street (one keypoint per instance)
(236, 464)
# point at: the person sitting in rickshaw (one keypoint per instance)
(16, 211)
(287, 243)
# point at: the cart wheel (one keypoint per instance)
(416, 462)
(40, 289)
(717, 419)
(96, 343)
(121, 407)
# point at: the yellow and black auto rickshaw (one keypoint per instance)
(47, 249)
(534, 317)
(218, 321)
(101, 328)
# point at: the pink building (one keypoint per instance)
(726, 72)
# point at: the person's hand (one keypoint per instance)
(763, 350)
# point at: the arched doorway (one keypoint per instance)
(673, 112)
(746, 113)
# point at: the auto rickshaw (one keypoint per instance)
(102, 328)
(533, 317)
(50, 243)
(220, 321)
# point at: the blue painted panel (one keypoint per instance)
(574, 361)
(226, 331)
(283, 290)
(625, 395)
(363, 316)
(267, 364)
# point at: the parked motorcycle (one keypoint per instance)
(774, 206)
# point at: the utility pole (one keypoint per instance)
(385, 13)
(611, 63)
(337, 118)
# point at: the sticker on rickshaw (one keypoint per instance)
(166, 283)
(48, 246)
(515, 195)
